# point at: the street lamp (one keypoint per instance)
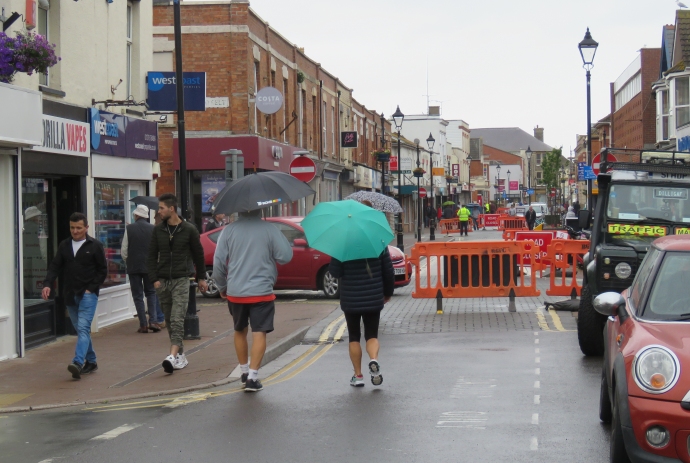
(508, 183)
(588, 48)
(430, 144)
(398, 118)
(528, 153)
(419, 202)
(498, 182)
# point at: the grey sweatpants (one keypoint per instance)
(174, 297)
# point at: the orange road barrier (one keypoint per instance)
(512, 223)
(509, 235)
(473, 269)
(564, 255)
(502, 210)
(491, 220)
(449, 226)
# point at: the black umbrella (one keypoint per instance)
(258, 191)
(149, 201)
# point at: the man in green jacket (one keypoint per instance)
(174, 245)
(464, 216)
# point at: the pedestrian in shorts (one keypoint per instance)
(244, 270)
(174, 245)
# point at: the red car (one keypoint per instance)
(308, 268)
(647, 347)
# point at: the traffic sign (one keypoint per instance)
(303, 168)
(422, 192)
(530, 191)
(541, 239)
(596, 160)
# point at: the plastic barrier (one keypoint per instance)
(502, 210)
(509, 235)
(449, 226)
(512, 223)
(473, 269)
(491, 220)
(564, 255)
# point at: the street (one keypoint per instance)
(477, 383)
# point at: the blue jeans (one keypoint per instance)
(81, 316)
(139, 284)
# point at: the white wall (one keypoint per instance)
(9, 312)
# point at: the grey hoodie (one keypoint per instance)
(246, 255)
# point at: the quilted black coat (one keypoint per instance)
(361, 289)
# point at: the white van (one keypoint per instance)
(540, 208)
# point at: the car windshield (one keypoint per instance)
(641, 202)
(669, 298)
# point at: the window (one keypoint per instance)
(538, 159)
(290, 233)
(273, 131)
(285, 108)
(539, 179)
(314, 117)
(642, 277)
(333, 129)
(682, 101)
(129, 50)
(628, 92)
(303, 115)
(668, 297)
(324, 124)
(43, 30)
(256, 90)
(662, 129)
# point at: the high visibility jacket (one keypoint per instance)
(464, 214)
(486, 206)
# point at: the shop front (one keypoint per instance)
(124, 154)
(53, 184)
(20, 128)
(206, 170)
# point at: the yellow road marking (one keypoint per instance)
(167, 399)
(304, 366)
(290, 365)
(9, 399)
(339, 333)
(329, 329)
(541, 320)
(557, 320)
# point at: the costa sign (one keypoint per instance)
(64, 136)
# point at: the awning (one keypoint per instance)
(408, 189)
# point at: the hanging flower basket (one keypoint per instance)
(382, 155)
(27, 52)
(418, 172)
(449, 178)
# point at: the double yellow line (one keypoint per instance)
(555, 320)
(289, 371)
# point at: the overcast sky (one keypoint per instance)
(500, 63)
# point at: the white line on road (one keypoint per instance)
(535, 418)
(537, 360)
(536, 351)
(536, 400)
(112, 434)
(536, 333)
(536, 341)
(464, 419)
(537, 371)
(537, 385)
(534, 444)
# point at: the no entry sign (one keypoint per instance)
(422, 193)
(303, 168)
(596, 160)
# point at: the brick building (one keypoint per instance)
(241, 54)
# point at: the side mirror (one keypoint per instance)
(300, 242)
(608, 304)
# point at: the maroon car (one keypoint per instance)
(308, 268)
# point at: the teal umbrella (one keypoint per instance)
(347, 230)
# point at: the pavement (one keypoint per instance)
(130, 362)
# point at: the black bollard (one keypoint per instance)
(439, 303)
(511, 301)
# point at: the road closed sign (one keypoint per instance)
(541, 239)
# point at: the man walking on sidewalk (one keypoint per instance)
(81, 265)
(464, 217)
(530, 218)
(174, 245)
(244, 269)
(135, 249)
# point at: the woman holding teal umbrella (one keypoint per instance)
(356, 237)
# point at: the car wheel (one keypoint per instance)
(330, 285)
(618, 453)
(212, 288)
(590, 326)
(604, 399)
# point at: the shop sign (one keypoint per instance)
(122, 136)
(64, 136)
(162, 91)
(439, 171)
(455, 169)
(269, 100)
(348, 139)
(211, 184)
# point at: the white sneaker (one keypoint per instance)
(180, 362)
(169, 364)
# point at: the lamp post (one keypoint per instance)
(528, 153)
(430, 144)
(498, 183)
(419, 216)
(384, 186)
(588, 48)
(508, 183)
(398, 118)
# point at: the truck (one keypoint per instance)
(643, 195)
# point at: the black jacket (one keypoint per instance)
(138, 241)
(361, 291)
(531, 216)
(172, 257)
(85, 271)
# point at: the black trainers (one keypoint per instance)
(75, 369)
(243, 379)
(253, 385)
(89, 367)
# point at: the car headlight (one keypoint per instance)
(656, 369)
(623, 270)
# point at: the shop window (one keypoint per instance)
(682, 101)
(35, 235)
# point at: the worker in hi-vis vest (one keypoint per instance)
(464, 216)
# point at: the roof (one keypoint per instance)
(673, 243)
(682, 36)
(667, 48)
(511, 139)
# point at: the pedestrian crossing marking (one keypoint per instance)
(463, 419)
(481, 389)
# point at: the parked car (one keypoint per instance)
(646, 348)
(308, 268)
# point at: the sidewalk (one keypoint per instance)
(129, 363)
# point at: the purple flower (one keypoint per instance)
(27, 53)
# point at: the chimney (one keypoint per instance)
(539, 133)
(434, 110)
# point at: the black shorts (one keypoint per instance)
(371, 325)
(259, 316)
